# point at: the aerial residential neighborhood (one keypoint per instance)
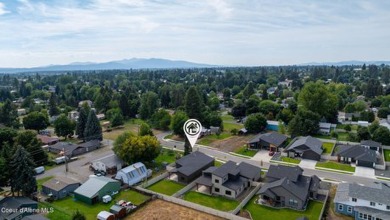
(217, 109)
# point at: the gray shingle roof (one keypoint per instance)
(312, 143)
(110, 161)
(248, 170)
(357, 152)
(193, 162)
(90, 143)
(273, 138)
(375, 213)
(280, 171)
(371, 143)
(229, 167)
(235, 184)
(299, 190)
(58, 183)
(379, 193)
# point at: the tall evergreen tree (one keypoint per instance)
(82, 121)
(28, 139)
(53, 109)
(124, 105)
(187, 146)
(193, 103)
(5, 161)
(22, 177)
(9, 115)
(93, 130)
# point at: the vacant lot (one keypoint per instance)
(260, 212)
(244, 151)
(167, 187)
(159, 209)
(215, 202)
(131, 125)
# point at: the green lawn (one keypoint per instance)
(336, 166)
(342, 136)
(387, 155)
(260, 212)
(166, 187)
(244, 151)
(217, 163)
(64, 208)
(227, 117)
(41, 181)
(206, 140)
(215, 202)
(166, 155)
(322, 136)
(327, 147)
(229, 126)
(290, 160)
(130, 125)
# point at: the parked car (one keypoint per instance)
(39, 170)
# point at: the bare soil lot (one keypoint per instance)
(232, 143)
(162, 210)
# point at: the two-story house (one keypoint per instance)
(369, 202)
(230, 179)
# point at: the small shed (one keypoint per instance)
(60, 187)
(118, 211)
(133, 174)
(104, 215)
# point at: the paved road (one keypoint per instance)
(79, 169)
(226, 156)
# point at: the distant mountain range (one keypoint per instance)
(344, 63)
(154, 63)
(134, 63)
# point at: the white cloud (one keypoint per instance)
(2, 9)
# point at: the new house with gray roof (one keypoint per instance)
(287, 187)
(306, 148)
(190, 167)
(361, 156)
(363, 201)
(230, 179)
(272, 141)
(17, 207)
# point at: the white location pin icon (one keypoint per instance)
(192, 128)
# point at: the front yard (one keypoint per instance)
(244, 151)
(290, 160)
(335, 166)
(167, 187)
(327, 147)
(215, 202)
(260, 212)
(64, 208)
(387, 155)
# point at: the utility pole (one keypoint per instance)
(66, 161)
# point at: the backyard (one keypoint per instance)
(64, 208)
(167, 187)
(215, 202)
(327, 147)
(387, 155)
(244, 151)
(335, 166)
(130, 125)
(260, 212)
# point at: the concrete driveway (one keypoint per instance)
(262, 155)
(310, 164)
(364, 172)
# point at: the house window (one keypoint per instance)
(364, 216)
(228, 192)
(388, 207)
(216, 189)
(340, 207)
(216, 180)
(360, 215)
(349, 209)
(379, 219)
(369, 217)
(372, 203)
(354, 199)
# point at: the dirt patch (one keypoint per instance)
(232, 143)
(160, 209)
(329, 211)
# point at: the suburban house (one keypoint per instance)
(358, 154)
(325, 128)
(287, 187)
(373, 145)
(190, 167)
(47, 140)
(109, 164)
(272, 141)
(344, 117)
(93, 190)
(133, 174)
(306, 148)
(272, 90)
(385, 122)
(286, 83)
(88, 102)
(21, 111)
(59, 187)
(242, 131)
(71, 150)
(35, 217)
(230, 179)
(363, 201)
(13, 204)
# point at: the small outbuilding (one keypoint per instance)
(60, 187)
(93, 190)
(118, 211)
(104, 215)
(133, 174)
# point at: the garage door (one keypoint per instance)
(365, 164)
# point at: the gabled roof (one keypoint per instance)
(59, 183)
(193, 162)
(273, 138)
(132, 167)
(312, 143)
(357, 152)
(298, 190)
(46, 139)
(110, 161)
(15, 202)
(371, 143)
(280, 171)
(248, 170)
(378, 192)
(229, 167)
(90, 143)
(68, 147)
(92, 186)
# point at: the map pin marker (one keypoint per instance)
(192, 128)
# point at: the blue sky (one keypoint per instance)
(223, 32)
